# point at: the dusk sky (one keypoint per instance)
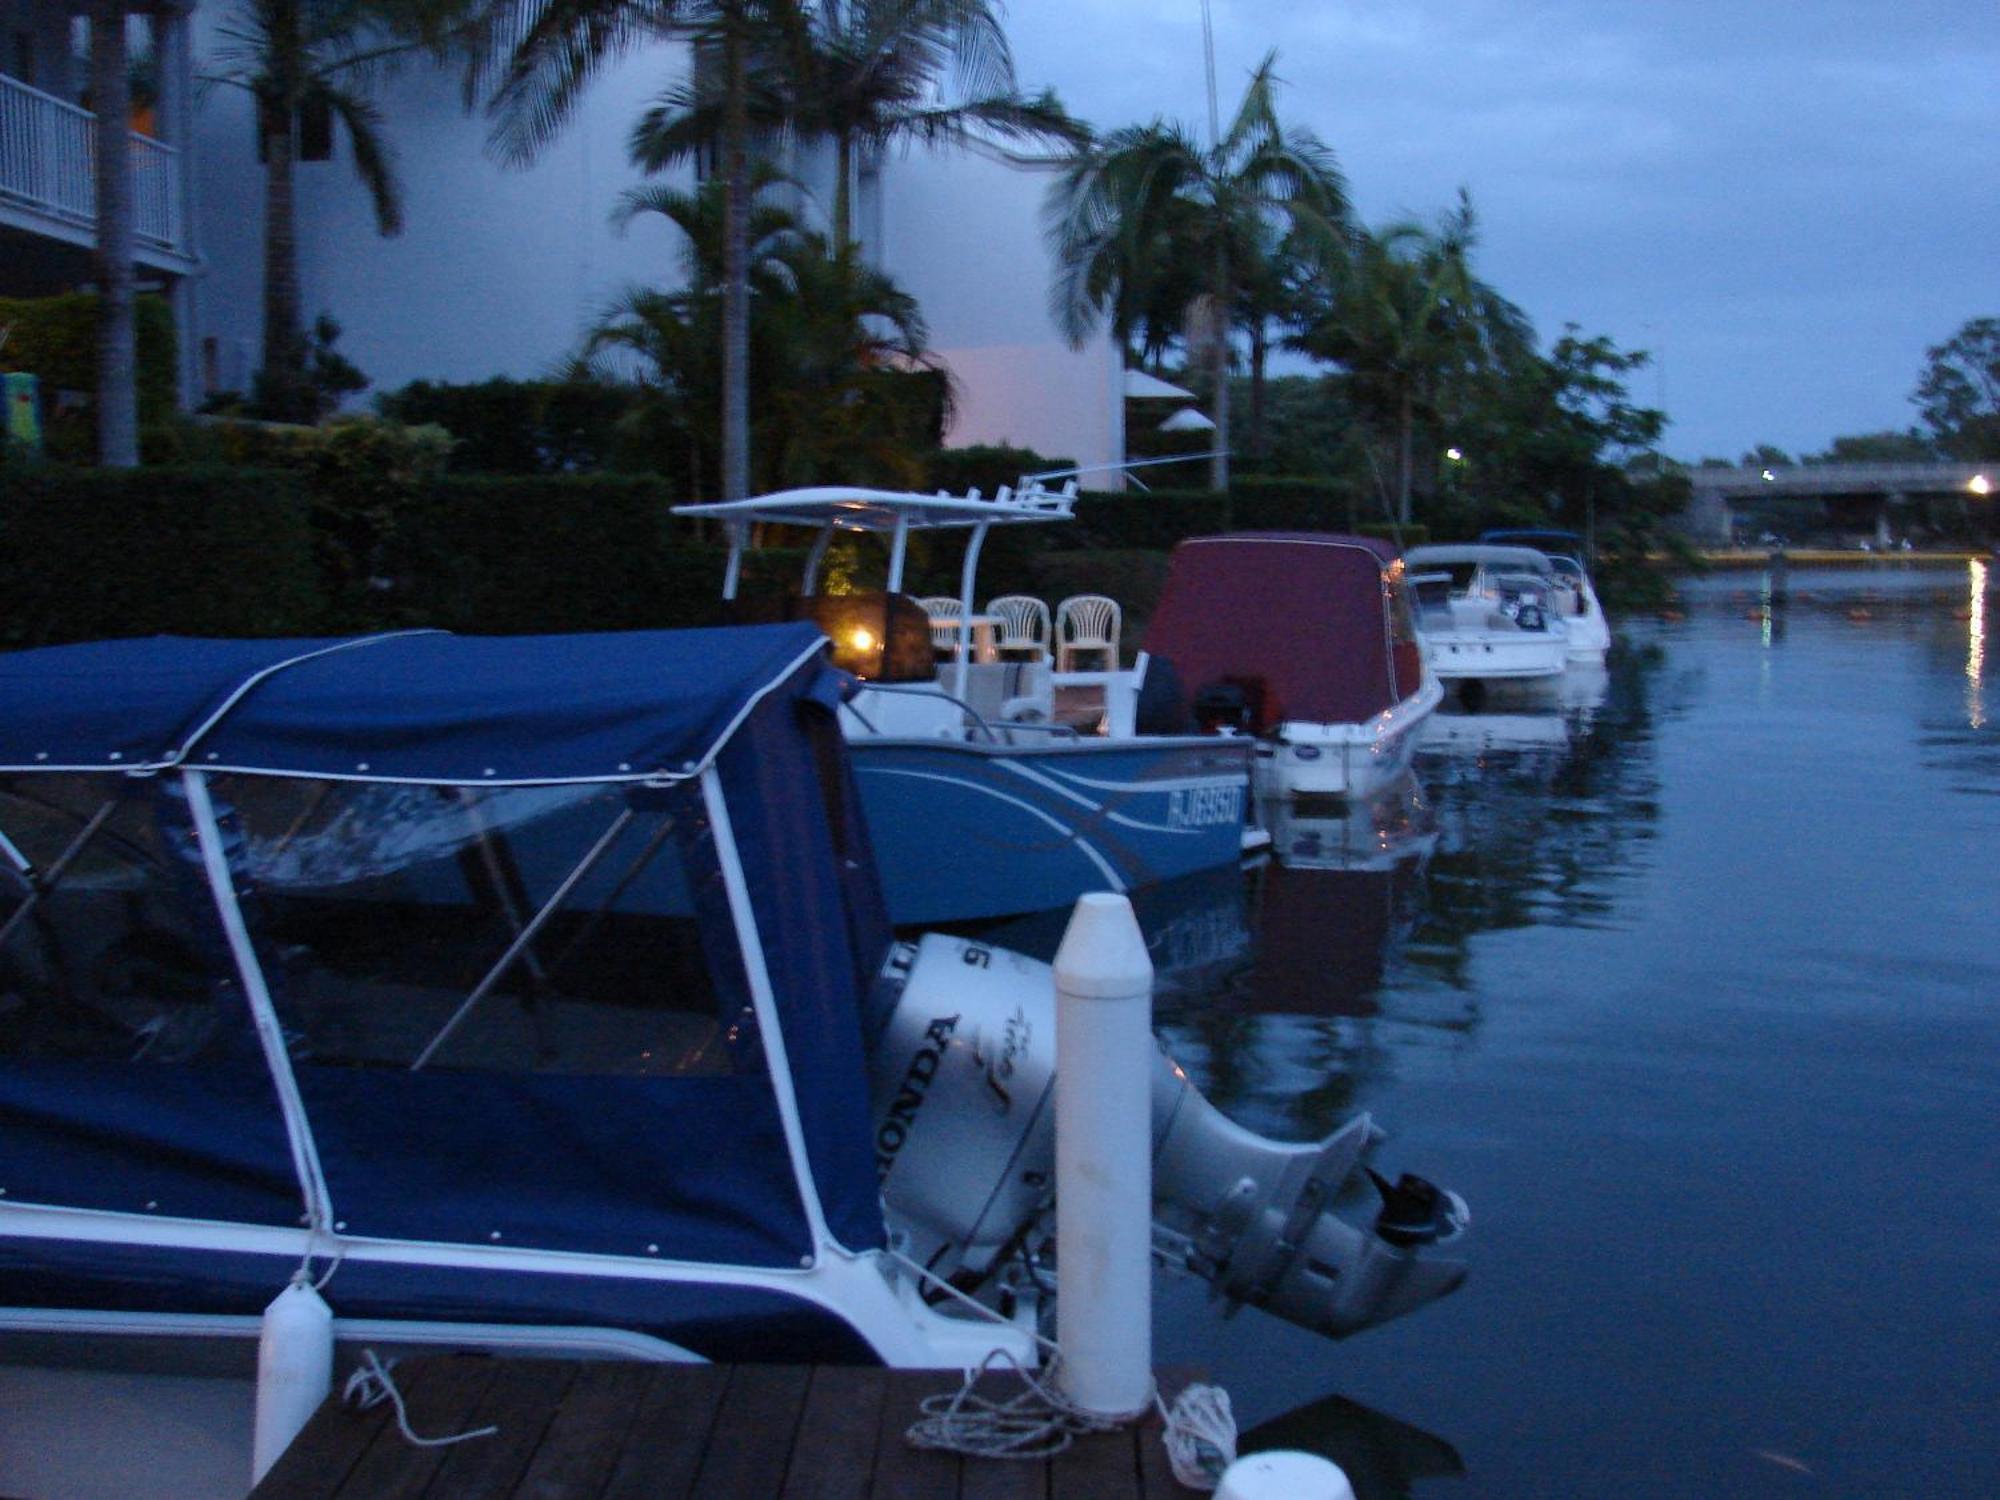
(1787, 202)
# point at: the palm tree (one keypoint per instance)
(1405, 317)
(1149, 189)
(553, 49)
(824, 329)
(307, 64)
(862, 74)
(117, 339)
(869, 81)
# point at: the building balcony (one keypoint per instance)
(47, 185)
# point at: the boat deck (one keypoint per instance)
(569, 1430)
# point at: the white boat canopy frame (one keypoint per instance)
(829, 509)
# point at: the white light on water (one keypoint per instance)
(1975, 648)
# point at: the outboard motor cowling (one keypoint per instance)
(964, 1073)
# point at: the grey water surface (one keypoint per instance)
(1690, 984)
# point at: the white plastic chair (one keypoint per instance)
(1086, 622)
(943, 607)
(1024, 623)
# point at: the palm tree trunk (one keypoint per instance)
(1260, 349)
(735, 265)
(117, 340)
(1218, 474)
(843, 193)
(1406, 454)
(282, 391)
(284, 363)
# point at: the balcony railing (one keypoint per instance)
(46, 154)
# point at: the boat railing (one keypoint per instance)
(975, 720)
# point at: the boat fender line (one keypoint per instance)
(371, 1384)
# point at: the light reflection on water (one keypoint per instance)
(1688, 983)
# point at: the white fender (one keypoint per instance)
(294, 1370)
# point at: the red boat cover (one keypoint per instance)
(1307, 621)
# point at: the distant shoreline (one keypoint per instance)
(1823, 557)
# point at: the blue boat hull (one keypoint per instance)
(965, 832)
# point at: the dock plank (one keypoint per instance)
(581, 1448)
(754, 1430)
(901, 1471)
(669, 1436)
(833, 1454)
(521, 1402)
(326, 1450)
(1096, 1464)
(617, 1431)
(441, 1399)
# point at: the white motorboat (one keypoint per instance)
(1304, 642)
(1488, 614)
(1576, 599)
(981, 803)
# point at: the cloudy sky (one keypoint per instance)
(1786, 201)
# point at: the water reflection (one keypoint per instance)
(1542, 810)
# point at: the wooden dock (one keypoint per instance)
(580, 1431)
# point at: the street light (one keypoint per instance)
(1979, 484)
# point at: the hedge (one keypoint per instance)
(360, 532)
(554, 553)
(93, 553)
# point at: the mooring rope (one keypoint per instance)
(371, 1384)
(1199, 1429)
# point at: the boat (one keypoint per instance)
(1582, 615)
(1488, 614)
(537, 995)
(1303, 643)
(982, 801)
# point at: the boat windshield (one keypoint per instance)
(506, 929)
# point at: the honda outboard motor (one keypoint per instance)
(964, 1071)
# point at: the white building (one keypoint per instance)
(500, 271)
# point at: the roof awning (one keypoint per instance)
(1187, 419)
(1141, 386)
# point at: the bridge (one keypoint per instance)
(1856, 497)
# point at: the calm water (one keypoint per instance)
(1691, 986)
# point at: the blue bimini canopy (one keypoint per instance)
(552, 1121)
(419, 706)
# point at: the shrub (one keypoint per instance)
(1291, 504)
(93, 553)
(987, 467)
(1112, 521)
(520, 426)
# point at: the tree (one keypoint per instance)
(1409, 323)
(864, 74)
(1959, 392)
(1149, 197)
(826, 332)
(117, 337)
(308, 65)
(1905, 447)
(554, 48)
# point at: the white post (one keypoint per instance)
(1104, 1158)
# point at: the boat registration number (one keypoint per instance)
(1204, 806)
